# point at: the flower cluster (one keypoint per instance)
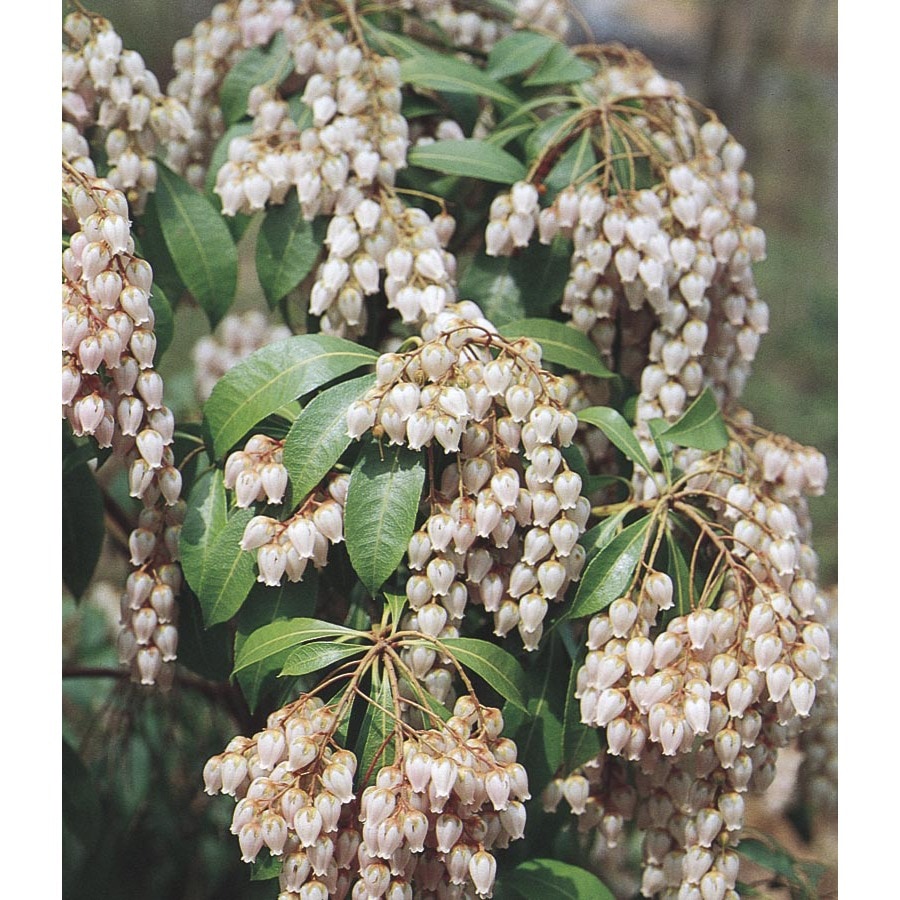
(109, 87)
(257, 473)
(201, 63)
(236, 337)
(111, 392)
(505, 519)
(286, 548)
(432, 817)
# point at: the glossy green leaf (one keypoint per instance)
(273, 644)
(266, 605)
(609, 573)
(551, 878)
(701, 426)
(150, 245)
(663, 446)
(540, 738)
(319, 436)
(620, 433)
(436, 72)
(82, 527)
(218, 571)
(578, 160)
(396, 604)
(518, 52)
(561, 344)
(509, 288)
(560, 66)
(287, 248)
(803, 876)
(318, 655)
(471, 158)
(381, 508)
(392, 43)
(266, 867)
(679, 571)
(259, 65)
(497, 667)
(550, 133)
(199, 241)
(273, 376)
(580, 742)
(595, 539)
(375, 746)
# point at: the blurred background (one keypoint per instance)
(769, 69)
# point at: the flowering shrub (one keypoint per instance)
(483, 517)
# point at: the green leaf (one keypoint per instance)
(312, 657)
(578, 160)
(82, 527)
(396, 603)
(471, 158)
(601, 534)
(551, 878)
(198, 239)
(580, 742)
(436, 72)
(220, 153)
(701, 426)
(206, 651)
(218, 571)
(560, 66)
(609, 573)
(561, 344)
(259, 65)
(266, 867)
(319, 436)
(273, 643)
(150, 245)
(663, 446)
(374, 747)
(611, 423)
(264, 606)
(518, 52)
(164, 320)
(380, 513)
(497, 667)
(508, 288)
(800, 875)
(540, 739)
(393, 44)
(273, 376)
(680, 574)
(550, 133)
(287, 248)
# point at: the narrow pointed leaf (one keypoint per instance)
(470, 158)
(609, 573)
(497, 667)
(595, 539)
(580, 742)
(163, 320)
(206, 516)
(561, 344)
(559, 66)
(620, 433)
(267, 605)
(259, 65)
(518, 52)
(287, 248)
(577, 160)
(380, 513)
(396, 603)
(436, 72)
(273, 376)
(701, 426)
(201, 246)
(319, 436)
(278, 640)
(318, 655)
(375, 746)
(663, 445)
(552, 878)
(679, 572)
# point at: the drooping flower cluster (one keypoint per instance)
(257, 473)
(236, 337)
(506, 516)
(201, 63)
(286, 548)
(432, 817)
(111, 392)
(107, 86)
(701, 697)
